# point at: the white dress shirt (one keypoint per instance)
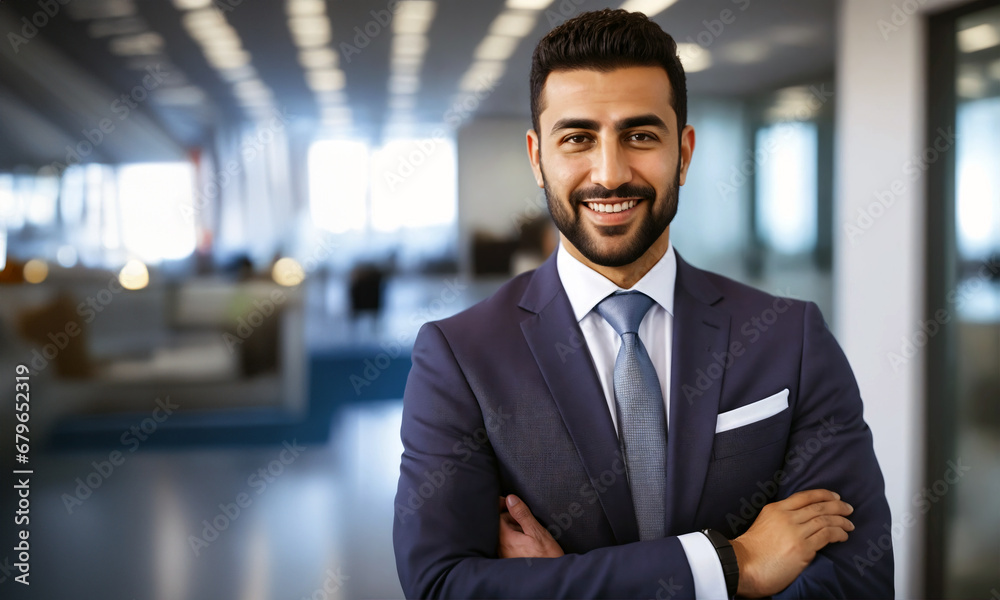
(586, 288)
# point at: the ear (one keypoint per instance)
(534, 156)
(687, 151)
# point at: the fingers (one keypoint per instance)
(519, 510)
(832, 507)
(508, 523)
(806, 497)
(824, 536)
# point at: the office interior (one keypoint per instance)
(222, 223)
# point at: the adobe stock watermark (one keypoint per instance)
(87, 310)
(796, 459)
(923, 502)
(464, 448)
(913, 169)
(911, 344)
(263, 308)
(133, 437)
(333, 583)
(460, 110)
(259, 480)
(752, 330)
(364, 34)
(451, 292)
(32, 24)
(121, 107)
(712, 31)
(564, 11)
(251, 146)
(900, 16)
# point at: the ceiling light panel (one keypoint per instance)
(496, 47)
(529, 4)
(650, 8)
(513, 23)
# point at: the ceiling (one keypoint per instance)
(61, 81)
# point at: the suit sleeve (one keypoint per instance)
(446, 526)
(831, 447)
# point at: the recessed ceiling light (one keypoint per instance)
(325, 79)
(305, 8)
(409, 45)
(227, 59)
(978, 38)
(308, 26)
(650, 8)
(513, 23)
(413, 16)
(481, 75)
(316, 58)
(693, 57)
(529, 4)
(132, 45)
(311, 40)
(496, 47)
(192, 4)
(745, 53)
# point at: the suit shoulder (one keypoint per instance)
(747, 301)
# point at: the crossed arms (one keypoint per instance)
(450, 540)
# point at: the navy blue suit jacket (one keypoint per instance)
(504, 398)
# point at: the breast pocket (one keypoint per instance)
(753, 426)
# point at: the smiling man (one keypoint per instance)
(599, 427)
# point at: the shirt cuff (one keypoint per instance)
(706, 568)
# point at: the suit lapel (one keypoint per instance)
(558, 346)
(695, 388)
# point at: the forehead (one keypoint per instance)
(606, 96)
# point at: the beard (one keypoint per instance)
(566, 214)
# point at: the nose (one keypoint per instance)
(611, 168)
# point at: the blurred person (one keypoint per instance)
(619, 423)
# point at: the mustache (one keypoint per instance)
(626, 190)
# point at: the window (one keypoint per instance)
(338, 186)
(152, 226)
(786, 186)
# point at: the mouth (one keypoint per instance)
(612, 211)
(612, 207)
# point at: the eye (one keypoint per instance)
(576, 138)
(641, 136)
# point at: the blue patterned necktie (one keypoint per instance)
(642, 427)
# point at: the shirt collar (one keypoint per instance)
(586, 287)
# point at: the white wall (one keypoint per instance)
(879, 274)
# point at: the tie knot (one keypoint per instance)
(625, 310)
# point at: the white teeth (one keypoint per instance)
(608, 208)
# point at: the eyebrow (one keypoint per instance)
(622, 125)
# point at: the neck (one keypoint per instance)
(627, 275)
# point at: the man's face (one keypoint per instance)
(608, 156)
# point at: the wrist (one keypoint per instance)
(727, 558)
(746, 587)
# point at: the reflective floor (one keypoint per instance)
(260, 523)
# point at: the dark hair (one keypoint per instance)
(606, 40)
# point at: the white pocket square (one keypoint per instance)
(753, 412)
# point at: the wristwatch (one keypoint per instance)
(727, 556)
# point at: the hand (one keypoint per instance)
(521, 535)
(785, 537)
